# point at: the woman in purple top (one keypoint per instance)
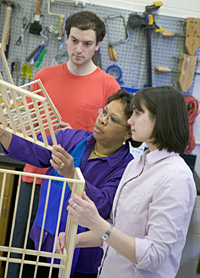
(103, 162)
(154, 200)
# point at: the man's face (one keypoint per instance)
(81, 45)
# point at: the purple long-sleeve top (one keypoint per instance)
(102, 176)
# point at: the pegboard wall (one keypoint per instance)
(132, 55)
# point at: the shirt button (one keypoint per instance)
(46, 233)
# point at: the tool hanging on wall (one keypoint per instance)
(30, 56)
(192, 39)
(165, 69)
(20, 40)
(148, 24)
(30, 72)
(187, 65)
(17, 71)
(36, 27)
(38, 56)
(112, 45)
(168, 33)
(24, 72)
(62, 16)
(150, 20)
(69, 2)
(60, 32)
(185, 72)
(44, 34)
(7, 24)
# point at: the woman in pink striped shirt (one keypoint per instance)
(147, 229)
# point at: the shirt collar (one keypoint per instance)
(155, 156)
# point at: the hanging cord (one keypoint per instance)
(193, 111)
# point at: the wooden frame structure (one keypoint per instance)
(24, 118)
(71, 228)
(26, 113)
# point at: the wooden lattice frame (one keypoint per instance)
(24, 118)
(78, 184)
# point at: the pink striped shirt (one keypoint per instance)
(153, 204)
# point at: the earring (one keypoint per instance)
(124, 143)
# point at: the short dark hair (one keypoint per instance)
(167, 106)
(125, 99)
(86, 20)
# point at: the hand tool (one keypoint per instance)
(62, 16)
(111, 45)
(40, 58)
(43, 33)
(36, 56)
(192, 38)
(24, 72)
(187, 65)
(167, 33)
(185, 72)
(60, 33)
(150, 20)
(41, 52)
(69, 2)
(30, 56)
(30, 72)
(7, 24)
(12, 67)
(54, 29)
(36, 27)
(20, 40)
(17, 70)
(165, 69)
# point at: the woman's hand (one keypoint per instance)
(60, 243)
(83, 240)
(83, 211)
(62, 126)
(5, 138)
(63, 162)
